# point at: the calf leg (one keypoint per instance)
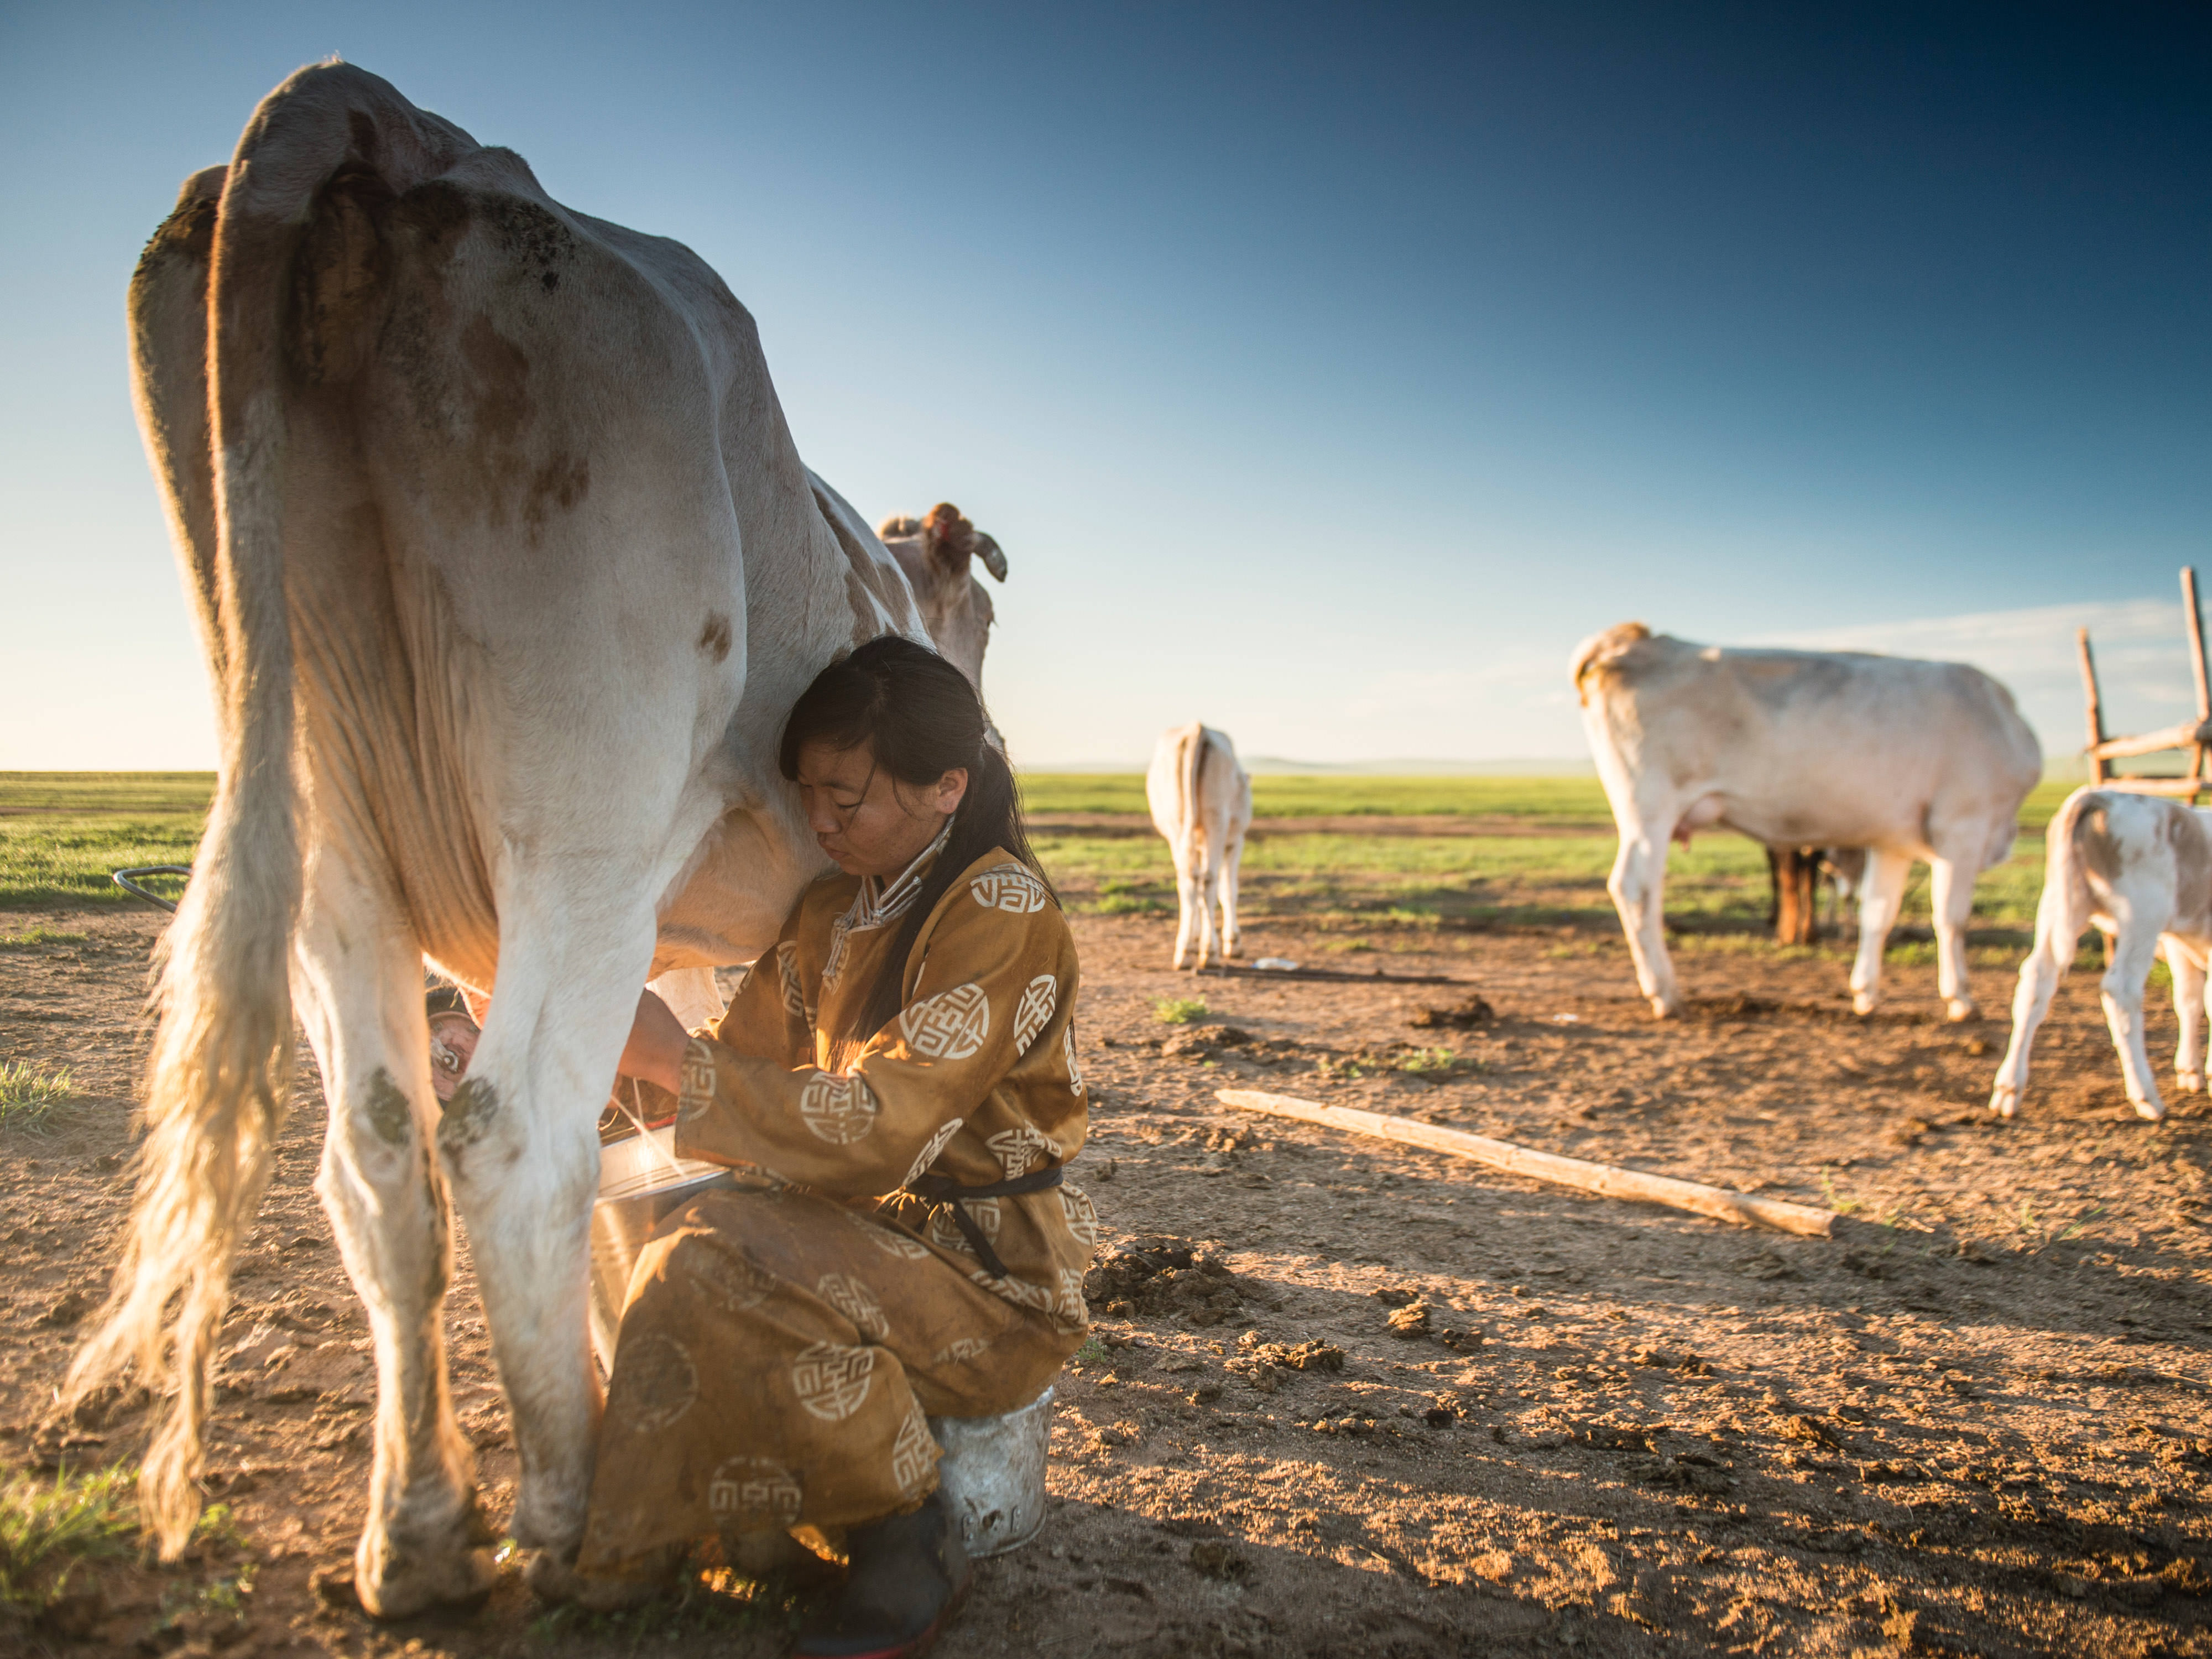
(1190, 900)
(2121, 991)
(360, 981)
(1951, 890)
(2057, 938)
(1879, 893)
(519, 1145)
(1638, 885)
(1208, 877)
(2188, 970)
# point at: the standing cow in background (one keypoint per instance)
(1910, 760)
(1201, 801)
(2139, 869)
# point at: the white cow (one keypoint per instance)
(1910, 760)
(507, 570)
(1201, 801)
(2139, 868)
(936, 552)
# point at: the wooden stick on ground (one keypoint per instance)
(1717, 1202)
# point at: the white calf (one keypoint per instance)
(2139, 868)
(1910, 760)
(1201, 801)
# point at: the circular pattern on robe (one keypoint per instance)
(1068, 1310)
(938, 1143)
(890, 1240)
(1081, 1215)
(1023, 1148)
(831, 1380)
(729, 1280)
(1034, 1013)
(1010, 888)
(960, 1351)
(659, 1381)
(913, 1455)
(838, 1109)
(856, 1301)
(757, 1492)
(950, 1025)
(1074, 1070)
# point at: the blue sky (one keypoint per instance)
(1326, 373)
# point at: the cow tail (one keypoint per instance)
(217, 1072)
(1189, 760)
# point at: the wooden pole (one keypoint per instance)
(2192, 615)
(2099, 770)
(1717, 1202)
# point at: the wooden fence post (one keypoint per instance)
(2193, 616)
(2099, 770)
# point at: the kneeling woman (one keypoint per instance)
(909, 1034)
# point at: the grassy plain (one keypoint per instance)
(1535, 852)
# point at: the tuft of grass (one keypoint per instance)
(29, 1096)
(1424, 1063)
(46, 1531)
(31, 938)
(1179, 1011)
(1837, 1201)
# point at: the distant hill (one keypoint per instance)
(1278, 766)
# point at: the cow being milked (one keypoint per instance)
(2138, 868)
(1201, 801)
(1910, 760)
(506, 570)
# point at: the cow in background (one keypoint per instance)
(936, 552)
(1908, 759)
(1201, 801)
(2138, 869)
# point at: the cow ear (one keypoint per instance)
(897, 527)
(993, 560)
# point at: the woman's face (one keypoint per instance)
(864, 818)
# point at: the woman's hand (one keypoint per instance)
(654, 1053)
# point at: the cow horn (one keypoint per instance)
(993, 560)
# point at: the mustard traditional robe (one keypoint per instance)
(783, 1342)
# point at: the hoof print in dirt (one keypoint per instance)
(1865, 1266)
(1161, 1276)
(1768, 1265)
(1459, 1017)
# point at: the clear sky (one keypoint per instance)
(1326, 373)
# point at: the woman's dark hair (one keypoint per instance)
(921, 719)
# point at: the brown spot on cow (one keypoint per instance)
(714, 637)
(2192, 863)
(559, 483)
(2101, 853)
(340, 280)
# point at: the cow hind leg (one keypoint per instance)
(1638, 885)
(1880, 894)
(1208, 882)
(2058, 935)
(1232, 861)
(2188, 970)
(361, 977)
(1951, 890)
(521, 1147)
(1189, 901)
(2121, 992)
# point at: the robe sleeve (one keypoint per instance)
(883, 1120)
(768, 1017)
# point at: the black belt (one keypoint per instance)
(944, 1189)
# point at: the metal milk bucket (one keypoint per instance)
(992, 1470)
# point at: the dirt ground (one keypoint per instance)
(1394, 1404)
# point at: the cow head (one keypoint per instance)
(936, 553)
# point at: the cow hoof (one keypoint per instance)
(389, 1584)
(1864, 1002)
(1664, 1008)
(2150, 1110)
(1960, 1009)
(2004, 1100)
(2190, 1082)
(553, 1578)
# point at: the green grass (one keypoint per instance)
(47, 1529)
(32, 938)
(1179, 1011)
(63, 834)
(1566, 799)
(29, 1097)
